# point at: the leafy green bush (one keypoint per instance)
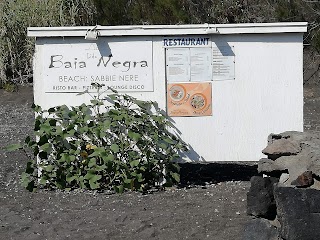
(121, 146)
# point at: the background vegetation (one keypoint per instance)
(16, 49)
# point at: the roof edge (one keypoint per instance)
(191, 29)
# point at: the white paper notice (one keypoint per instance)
(223, 62)
(201, 68)
(189, 64)
(178, 64)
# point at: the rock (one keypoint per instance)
(282, 147)
(284, 178)
(275, 223)
(266, 165)
(293, 135)
(260, 200)
(298, 211)
(303, 180)
(311, 144)
(295, 165)
(313, 198)
(260, 229)
(295, 158)
(302, 149)
(314, 165)
(316, 184)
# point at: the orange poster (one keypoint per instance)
(189, 99)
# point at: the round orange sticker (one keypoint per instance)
(177, 92)
(198, 101)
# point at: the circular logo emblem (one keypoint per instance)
(177, 92)
(198, 101)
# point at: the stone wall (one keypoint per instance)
(285, 199)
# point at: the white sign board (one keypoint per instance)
(71, 66)
(223, 62)
(198, 59)
(188, 64)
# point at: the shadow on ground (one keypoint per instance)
(204, 173)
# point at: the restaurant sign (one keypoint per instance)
(72, 66)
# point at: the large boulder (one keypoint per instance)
(314, 163)
(298, 210)
(294, 158)
(260, 229)
(282, 147)
(260, 199)
(293, 135)
(270, 167)
(295, 165)
(293, 151)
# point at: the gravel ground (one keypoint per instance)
(211, 211)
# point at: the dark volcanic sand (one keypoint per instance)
(214, 211)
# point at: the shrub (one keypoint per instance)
(120, 146)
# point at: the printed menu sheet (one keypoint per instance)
(188, 64)
(223, 62)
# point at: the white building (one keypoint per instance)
(253, 75)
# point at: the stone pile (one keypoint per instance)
(285, 198)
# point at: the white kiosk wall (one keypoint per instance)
(264, 96)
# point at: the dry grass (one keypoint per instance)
(16, 49)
